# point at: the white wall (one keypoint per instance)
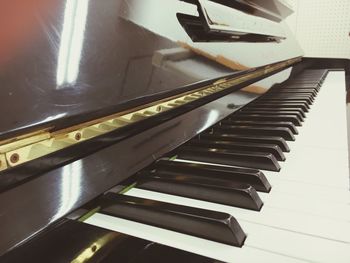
(322, 27)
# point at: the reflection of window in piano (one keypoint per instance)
(187, 63)
(160, 18)
(70, 191)
(167, 66)
(72, 39)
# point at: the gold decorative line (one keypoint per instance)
(29, 147)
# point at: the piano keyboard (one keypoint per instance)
(270, 183)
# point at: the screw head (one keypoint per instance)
(14, 158)
(231, 106)
(94, 248)
(77, 136)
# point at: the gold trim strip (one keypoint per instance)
(18, 151)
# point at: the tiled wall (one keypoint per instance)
(322, 27)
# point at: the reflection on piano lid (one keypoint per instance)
(216, 23)
(57, 68)
(94, 91)
(78, 242)
(274, 10)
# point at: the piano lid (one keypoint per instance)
(61, 58)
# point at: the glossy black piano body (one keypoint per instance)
(67, 62)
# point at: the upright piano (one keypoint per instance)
(169, 131)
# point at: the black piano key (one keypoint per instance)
(311, 89)
(276, 112)
(284, 104)
(304, 85)
(283, 132)
(309, 75)
(305, 82)
(264, 99)
(74, 241)
(201, 188)
(247, 138)
(285, 124)
(284, 101)
(212, 225)
(256, 160)
(296, 91)
(312, 92)
(252, 107)
(293, 92)
(306, 99)
(224, 174)
(306, 79)
(268, 117)
(289, 95)
(293, 87)
(239, 146)
(312, 80)
(311, 97)
(157, 253)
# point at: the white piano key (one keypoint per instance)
(200, 246)
(306, 216)
(284, 182)
(320, 192)
(295, 245)
(327, 167)
(326, 125)
(312, 206)
(261, 239)
(281, 218)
